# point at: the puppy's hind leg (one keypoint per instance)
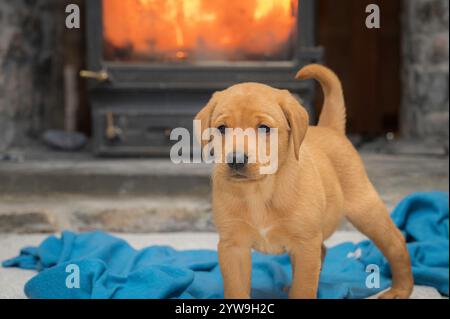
(369, 215)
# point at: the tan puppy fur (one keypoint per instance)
(320, 179)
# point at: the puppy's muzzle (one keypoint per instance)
(237, 160)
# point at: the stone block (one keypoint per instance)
(428, 50)
(157, 216)
(30, 67)
(425, 70)
(429, 15)
(430, 90)
(27, 221)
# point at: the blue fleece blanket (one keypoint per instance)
(98, 265)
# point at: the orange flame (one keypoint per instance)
(199, 30)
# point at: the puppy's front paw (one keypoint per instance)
(395, 293)
(310, 294)
(236, 295)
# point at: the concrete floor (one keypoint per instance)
(142, 195)
(12, 280)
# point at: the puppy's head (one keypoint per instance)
(274, 116)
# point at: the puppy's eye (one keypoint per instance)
(222, 129)
(264, 129)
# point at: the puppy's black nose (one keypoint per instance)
(237, 160)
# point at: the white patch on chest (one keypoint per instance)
(263, 226)
(266, 244)
(263, 231)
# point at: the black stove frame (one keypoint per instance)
(143, 101)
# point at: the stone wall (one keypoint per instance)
(425, 109)
(30, 69)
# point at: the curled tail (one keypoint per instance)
(333, 112)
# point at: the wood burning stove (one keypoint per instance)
(153, 64)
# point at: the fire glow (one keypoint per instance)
(199, 30)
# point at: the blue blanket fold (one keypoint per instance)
(108, 267)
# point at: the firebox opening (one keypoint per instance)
(198, 31)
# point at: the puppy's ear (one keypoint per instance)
(204, 116)
(297, 118)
